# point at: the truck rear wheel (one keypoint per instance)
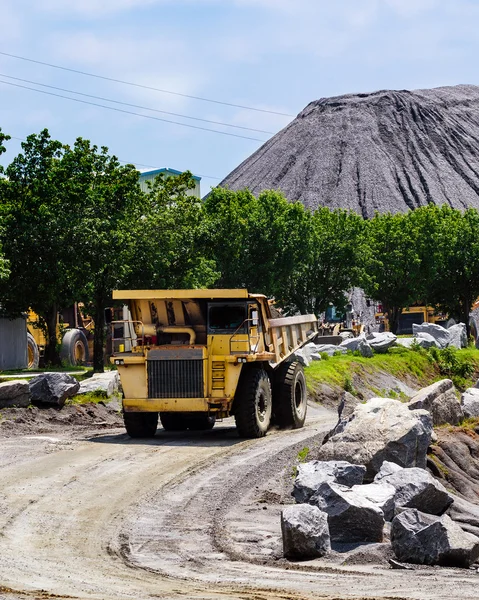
(74, 348)
(290, 400)
(173, 421)
(33, 352)
(253, 404)
(140, 425)
(201, 422)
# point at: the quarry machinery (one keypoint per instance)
(74, 334)
(414, 314)
(190, 357)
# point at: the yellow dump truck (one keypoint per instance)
(194, 356)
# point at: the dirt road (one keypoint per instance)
(195, 516)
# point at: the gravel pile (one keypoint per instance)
(384, 151)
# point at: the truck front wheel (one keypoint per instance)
(290, 399)
(173, 421)
(201, 422)
(140, 425)
(253, 404)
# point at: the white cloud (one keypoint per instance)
(126, 58)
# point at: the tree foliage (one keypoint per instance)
(394, 272)
(173, 251)
(36, 213)
(267, 244)
(453, 276)
(332, 255)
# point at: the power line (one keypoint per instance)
(129, 112)
(164, 112)
(146, 87)
(132, 162)
(129, 162)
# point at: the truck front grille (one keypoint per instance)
(175, 378)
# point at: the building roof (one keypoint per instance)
(166, 170)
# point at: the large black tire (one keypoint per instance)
(290, 399)
(253, 404)
(33, 353)
(140, 425)
(173, 421)
(74, 348)
(201, 422)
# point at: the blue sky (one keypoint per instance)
(275, 55)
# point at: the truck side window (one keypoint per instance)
(228, 318)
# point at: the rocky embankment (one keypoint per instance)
(370, 482)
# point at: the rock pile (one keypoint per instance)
(428, 335)
(409, 498)
(371, 472)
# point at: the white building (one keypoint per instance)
(150, 176)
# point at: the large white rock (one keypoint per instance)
(416, 488)
(441, 401)
(302, 357)
(381, 494)
(14, 393)
(382, 429)
(305, 532)
(426, 340)
(440, 334)
(387, 468)
(470, 402)
(427, 539)
(330, 349)
(108, 382)
(381, 342)
(352, 343)
(312, 474)
(53, 388)
(351, 516)
(458, 336)
(423, 340)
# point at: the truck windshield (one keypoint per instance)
(226, 317)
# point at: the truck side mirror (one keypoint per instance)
(254, 318)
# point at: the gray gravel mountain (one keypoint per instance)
(384, 151)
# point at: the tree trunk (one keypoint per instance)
(52, 353)
(393, 317)
(99, 337)
(466, 305)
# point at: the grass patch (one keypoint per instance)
(462, 366)
(90, 398)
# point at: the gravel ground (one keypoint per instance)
(85, 512)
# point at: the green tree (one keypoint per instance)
(330, 259)
(267, 244)
(174, 247)
(4, 264)
(106, 207)
(454, 275)
(255, 241)
(36, 238)
(395, 270)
